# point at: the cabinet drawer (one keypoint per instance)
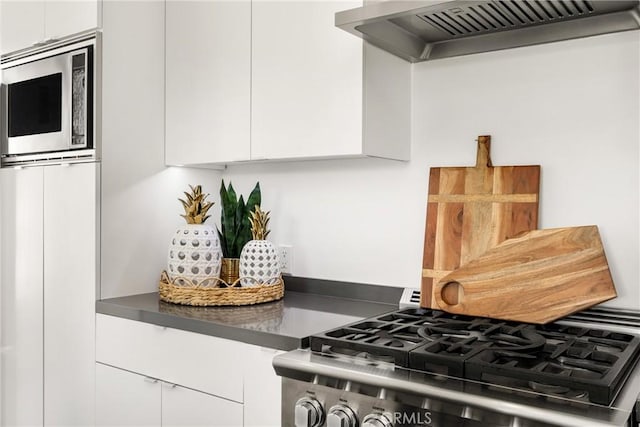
(182, 407)
(205, 363)
(126, 399)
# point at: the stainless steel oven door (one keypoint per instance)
(45, 104)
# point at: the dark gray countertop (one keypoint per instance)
(309, 306)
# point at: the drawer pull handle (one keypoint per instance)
(150, 380)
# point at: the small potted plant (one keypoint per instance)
(235, 228)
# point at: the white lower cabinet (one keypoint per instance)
(70, 276)
(184, 407)
(128, 399)
(262, 389)
(124, 398)
(21, 262)
(48, 266)
(153, 375)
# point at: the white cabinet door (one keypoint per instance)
(209, 364)
(126, 399)
(21, 206)
(306, 81)
(21, 24)
(182, 407)
(26, 23)
(70, 212)
(208, 54)
(63, 18)
(262, 389)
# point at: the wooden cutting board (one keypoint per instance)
(472, 209)
(538, 277)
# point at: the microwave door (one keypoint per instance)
(37, 106)
(81, 98)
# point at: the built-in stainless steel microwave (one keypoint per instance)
(47, 103)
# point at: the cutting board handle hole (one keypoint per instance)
(452, 293)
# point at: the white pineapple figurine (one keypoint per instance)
(195, 253)
(259, 261)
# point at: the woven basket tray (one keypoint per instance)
(220, 293)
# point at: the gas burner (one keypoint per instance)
(379, 358)
(555, 390)
(339, 351)
(499, 334)
(548, 359)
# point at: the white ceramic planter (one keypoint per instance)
(259, 263)
(194, 254)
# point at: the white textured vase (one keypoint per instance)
(259, 263)
(194, 254)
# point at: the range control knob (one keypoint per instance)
(376, 420)
(341, 416)
(308, 413)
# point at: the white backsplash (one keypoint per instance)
(572, 107)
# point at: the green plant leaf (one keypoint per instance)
(254, 199)
(236, 244)
(232, 198)
(245, 226)
(223, 193)
(223, 242)
(227, 219)
(235, 227)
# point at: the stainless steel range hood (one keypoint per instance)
(432, 29)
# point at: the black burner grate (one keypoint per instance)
(552, 359)
(573, 360)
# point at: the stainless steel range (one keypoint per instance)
(420, 367)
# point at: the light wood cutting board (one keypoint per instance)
(472, 209)
(538, 277)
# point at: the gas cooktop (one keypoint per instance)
(573, 362)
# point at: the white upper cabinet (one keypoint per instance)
(306, 81)
(25, 24)
(276, 80)
(21, 24)
(208, 66)
(63, 18)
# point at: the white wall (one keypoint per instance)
(572, 107)
(140, 210)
